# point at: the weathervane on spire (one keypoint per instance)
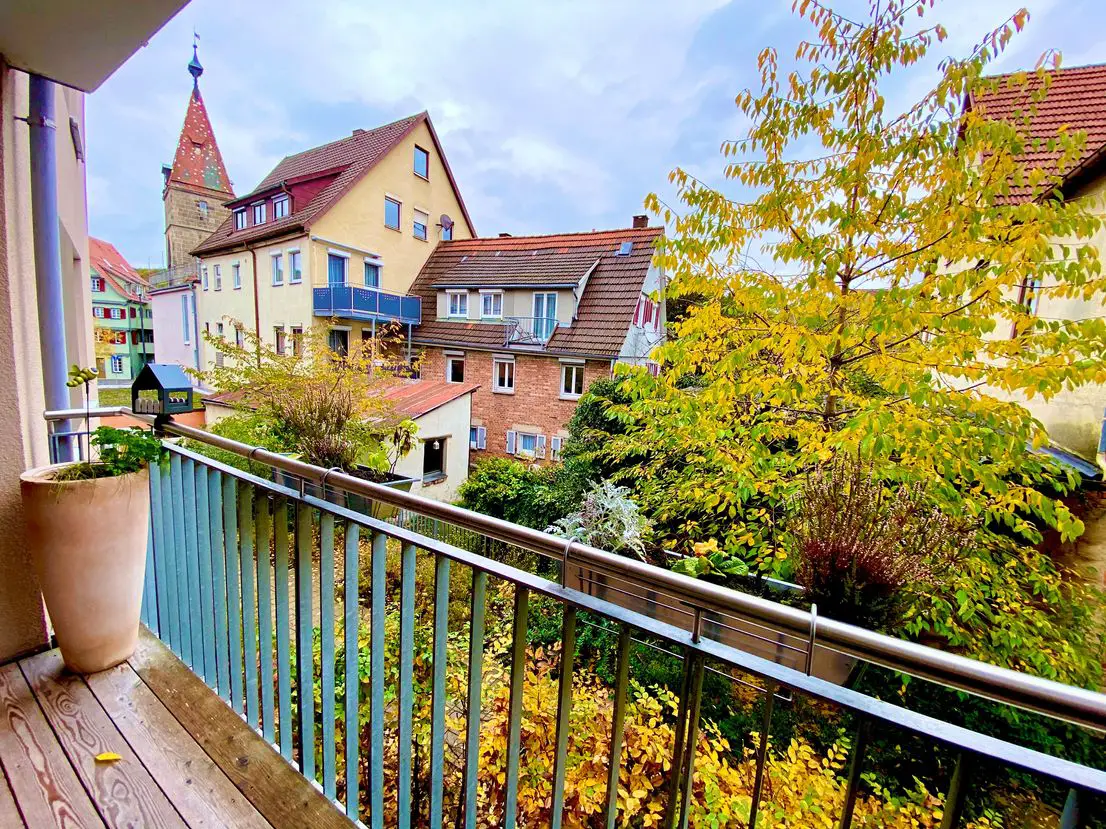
(195, 69)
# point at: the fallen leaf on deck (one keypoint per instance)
(108, 757)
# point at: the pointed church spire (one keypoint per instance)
(198, 164)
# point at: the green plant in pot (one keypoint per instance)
(87, 524)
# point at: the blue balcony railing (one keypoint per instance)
(360, 303)
(264, 588)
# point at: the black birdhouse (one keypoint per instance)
(161, 389)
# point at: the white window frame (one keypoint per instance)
(117, 360)
(424, 224)
(460, 314)
(276, 265)
(576, 368)
(450, 358)
(294, 256)
(240, 219)
(259, 210)
(282, 202)
(218, 277)
(278, 335)
(497, 361)
(236, 275)
(379, 265)
(485, 297)
(203, 276)
(515, 440)
(556, 444)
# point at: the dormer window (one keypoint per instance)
(240, 219)
(259, 214)
(458, 303)
(491, 304)
(280, 207)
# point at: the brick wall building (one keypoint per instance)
(535, 320)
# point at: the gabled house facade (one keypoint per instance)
(534, 320)
(121, 315)
(1076, 102)
(334, 235)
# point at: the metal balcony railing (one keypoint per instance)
(352, 301)
(528, 330)
(236, 616)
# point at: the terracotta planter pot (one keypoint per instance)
(88, 540)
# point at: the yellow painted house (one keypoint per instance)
(333, 235)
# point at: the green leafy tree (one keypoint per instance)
(854, 294)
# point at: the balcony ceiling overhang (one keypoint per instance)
(78, 43)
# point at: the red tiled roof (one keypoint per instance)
(108, 262)
(411, 399)
(347, 160)
(605, 311)
(424, 396)
(1076, 99)
(198, 164)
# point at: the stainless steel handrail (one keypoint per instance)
(1054, 699)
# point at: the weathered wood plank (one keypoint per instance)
(274, 787)
(124, 793)
(9, 812)
(41, 779)
(198, 789)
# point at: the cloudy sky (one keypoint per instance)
(557, 116)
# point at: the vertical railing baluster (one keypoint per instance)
(856, 764)
(762, 752)
(326, 652)
(564, 709)
(184, 627)
(406, 691)
(305, 682)
(283, 622)
(249, 602)
(264, 616)
(437, 718)
(475, 678)
(514, 717)
(1070, 817)
(147, 582)
(696, 690)
(618, 724)
(163, 558)
(192, 563)
(234, 592)
(376, 678)
(954, 800)
(203, 563)
(674, 781)
(219, 581)
(351, 608)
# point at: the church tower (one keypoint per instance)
(196, 184)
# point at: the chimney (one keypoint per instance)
(641, 220)
(504, 235)
(358, 131)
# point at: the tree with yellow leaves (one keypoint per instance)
(853, 294)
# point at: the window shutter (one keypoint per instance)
(637, 311)
(539, 449)
(481, 437)
(555, 447)
(510, 442)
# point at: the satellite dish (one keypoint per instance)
(445, 222)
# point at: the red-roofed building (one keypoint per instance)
(121, 317)
(442, 412)
(335, 236)
(534, 320)
(196, 184)
(1075, 102)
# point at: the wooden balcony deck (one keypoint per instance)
(187, 760)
